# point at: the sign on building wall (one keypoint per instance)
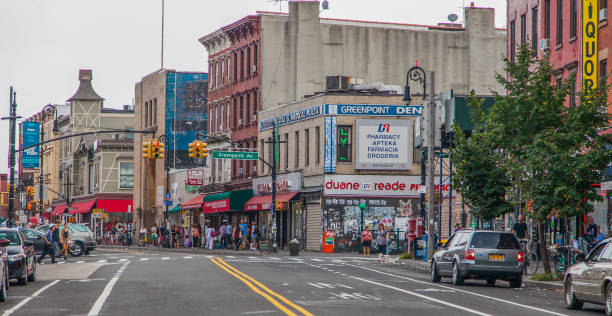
(383, 144)
(31, 136)
(373, 185)
(590, 15)
(373, 109)
(290, 118)
(195, 177)
(288, 182)
(330, 144)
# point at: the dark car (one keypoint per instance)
(35, 237)
(489, 255)
(21, 257)
(590, 280)
(4, 279)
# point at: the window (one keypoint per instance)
(248, 109)
(307, 147)
(235, 111)
(603, 68)
(573, 92)
(534, 31)
(146, 117)
(216, 75)
(248, 61)
(222, 72)
(494, 240)
(523, 28)
(255, 55)
(241, 64)
(317, 145)
(286, 151)
(344, 143)
(512, 40)
(155, 111)
(547, 18)
(603, 4)
(263, 155)
(573, 18)
(126, 175)
(606, 254)
(241, 110)
(235, 66)
(228, 69)
(228, 114)
(296, 145)
(90, 177)
(221, 117)
(255, 109)
(594, 254)
(559, 22)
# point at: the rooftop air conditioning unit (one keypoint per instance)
(603, 14)
(545, 44)
(336, 83)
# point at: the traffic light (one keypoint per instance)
(161, 150)
(204, 149)
(192, 149)
(281, 205)
(157, 150)
(146, 150)
(30, 191)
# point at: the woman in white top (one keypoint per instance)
(210, 237)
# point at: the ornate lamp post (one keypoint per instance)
(47, 110)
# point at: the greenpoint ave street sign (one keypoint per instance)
(235, 155)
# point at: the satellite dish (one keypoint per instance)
(453, 17)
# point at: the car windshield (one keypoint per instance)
(80, 228)
(31, 233)
(494, 241)
(13, 237)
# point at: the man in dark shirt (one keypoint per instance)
(590, 232)
(520, 228)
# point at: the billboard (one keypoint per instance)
(379, 186)
(30, 136)
(383, 144)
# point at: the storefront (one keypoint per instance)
(290, 214)
(187, 213)
(227, 207)
(389, 200)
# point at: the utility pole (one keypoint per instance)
(430, 168)
(13, 126)
(273, 207)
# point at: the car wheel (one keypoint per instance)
(609, 300)
(457, 278)
(435, 276)
(3, 289)
(516, 283)
(76, 249)
(32, 277)
(491, 282)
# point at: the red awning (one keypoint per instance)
(262, 202)
(216, 206)
(33, 220)
(115, 206)
(196, 202)
(59, 210)
(83, 207)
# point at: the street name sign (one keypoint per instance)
(235, 155)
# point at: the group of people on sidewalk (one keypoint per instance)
(382, 239)
(227, 235)
(54, 239)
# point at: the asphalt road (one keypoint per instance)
(138, 283)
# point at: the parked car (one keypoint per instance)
(4, 284)
(590, 279)
(80, 235)
(21, 257)
(489, 255)
(35, 236)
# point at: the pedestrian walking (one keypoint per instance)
(366, 240)
(210, 237)
(381, 241)
(457, 227)
(243, 231)
(228, 234)
(590, 233)
(56, 238)
(236, 236)
(154, 235)
(222, 235)
(65, 241)
(196, 236)
(48, 248)
(254, 236)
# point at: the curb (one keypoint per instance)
(542, 285)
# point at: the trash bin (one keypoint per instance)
(294, 247)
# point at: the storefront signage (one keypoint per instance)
(195, 177)
(373, 185)
(373, 109)
(289, 182)
(383, 144)
(330, 145)
(590, 14)
(216, 206)
(31, 136)
(293, 117)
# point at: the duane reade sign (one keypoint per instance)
(383, 144)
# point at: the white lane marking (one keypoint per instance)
(209, 256)
(337, 272)
(122, 260)
(275, 258)
(358, 261)
(102, 261)
(458, 290)
(97, 306)
(187, 257)
(80, 261)
(296, 259)
(231, 257)
(252, 258)
(27, 299)
(61, 262)
(469, 310)
(315, 259)
(165, 258)
(144, 259)
(258, 312)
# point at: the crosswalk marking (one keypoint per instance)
(296, 259)
(122, 260)
(188, 257)
(315, 259)
(252, 258)
(275, 258)
(165, 258)
(81, 261)
(144, 259)
(231, 257)
(102, 261)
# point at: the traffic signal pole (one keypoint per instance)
(273, 208)
(13, 126)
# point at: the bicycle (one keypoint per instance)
(532, 261)
(563, 258)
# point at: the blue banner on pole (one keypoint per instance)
(30, 157)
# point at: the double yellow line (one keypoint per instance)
(261, 289)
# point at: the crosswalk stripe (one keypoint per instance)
(81, 261)
(296, 259)
(144, 259)
(188, 257)
(231, 257)
(61, 262)
(275, 258)
(165, 258)
(101, 261)
(122, 260)
(315, 259)
(252, 258)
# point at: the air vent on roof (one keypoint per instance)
(336, 83)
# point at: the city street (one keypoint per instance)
(113, 282)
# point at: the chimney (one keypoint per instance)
(85, 74)
(85, 90)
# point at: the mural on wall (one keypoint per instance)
(185, 117)
(343, 217)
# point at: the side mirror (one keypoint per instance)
(4, 242)
(580, 257)
(28, 243)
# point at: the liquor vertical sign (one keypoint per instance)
(589, 44)
(31, 136)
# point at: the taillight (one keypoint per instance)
(520, 257)
(469, 254)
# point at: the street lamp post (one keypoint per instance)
(47, 109)
(416, 73)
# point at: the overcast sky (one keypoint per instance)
(44, 43)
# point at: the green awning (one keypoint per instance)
(226, 201)
(176, 208)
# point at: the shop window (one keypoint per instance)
(344, 143)
(126, 175)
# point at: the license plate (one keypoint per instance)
(496, 257)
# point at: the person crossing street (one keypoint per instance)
(48, 248)
(65, 241)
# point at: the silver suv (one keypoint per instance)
(80, 236)
(488, 255)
